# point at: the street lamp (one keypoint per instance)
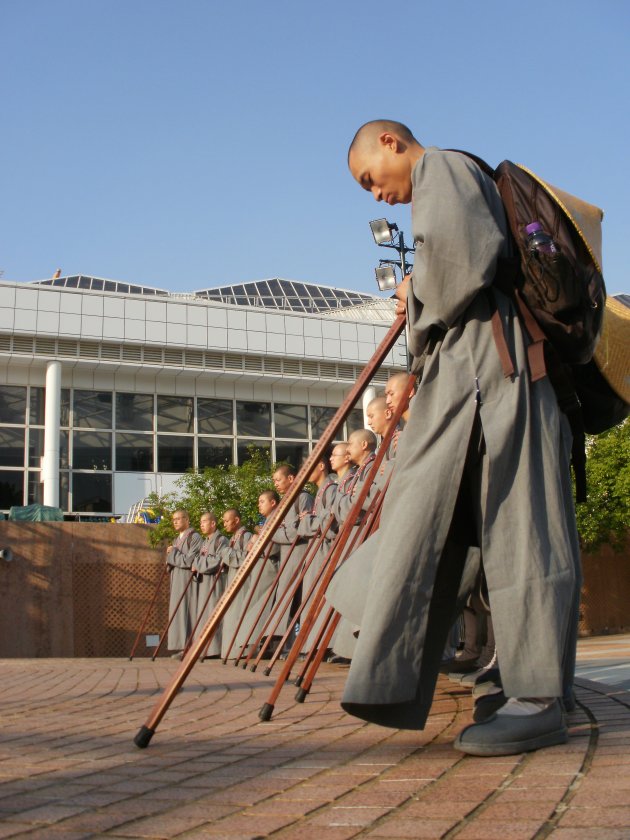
(387, 235)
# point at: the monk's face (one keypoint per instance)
(207, 525)
(339, 457)
(383, 169)
(356, 448)
(231, 522)
(266, 504)
(180, 521)
(282, 481)
(397, 391)
(377, 418)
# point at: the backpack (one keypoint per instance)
(560, 299)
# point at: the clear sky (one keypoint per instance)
(189, 143)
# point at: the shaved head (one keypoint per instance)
(381, 158)
(363, 436)
(367, 136)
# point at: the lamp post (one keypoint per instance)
(387, 235)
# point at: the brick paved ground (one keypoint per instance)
(69, 768)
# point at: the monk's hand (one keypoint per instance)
(401, 295)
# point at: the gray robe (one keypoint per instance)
(283, 537)
(207, 564)
(253, 623)
(503, 441)
(232, 556)
(310, 527)
(181, 556)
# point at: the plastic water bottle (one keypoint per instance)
(538, 241)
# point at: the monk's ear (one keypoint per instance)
(389, 141)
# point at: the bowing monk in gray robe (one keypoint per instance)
(209, 587)
(180, 558)
(484, 461)
(232, 556)
(261, 601)
(284, 537)
(319, 527)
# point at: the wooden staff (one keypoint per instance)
(147, 730)
(250, 597)
(309, 558)
(340, 553)
(174, 613)
(215, 579)
(316, 656)
(148, 612)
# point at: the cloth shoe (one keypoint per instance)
(510, 734)
(487, 682)
(487, 704)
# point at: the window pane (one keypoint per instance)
(134, 453)
(175, 453)
(64, 486)
(175, 414)
(92, 492)
(12, 448)
(35, 490)
(253, 418)
(65, 407)
(35, 447)
(134, 411)
(36, 417)
(64, 450)
(354, 421)
(12, 404)
(243, 448)
(290, 421)
(91, 451)
(92, 409)
(214, 452)
(214, 417)
(320, 418)
(291, 453)
(11, 488)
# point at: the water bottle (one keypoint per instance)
(538, 241)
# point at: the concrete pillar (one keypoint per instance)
(368, 396)
(52, 421)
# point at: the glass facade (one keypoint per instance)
(105, 432)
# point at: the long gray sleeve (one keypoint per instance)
(457, 237)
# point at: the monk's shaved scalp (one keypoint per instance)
(365, 436)
(400, 378)
(378, 402)
(367, 135)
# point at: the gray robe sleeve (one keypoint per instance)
(184, 556)
(311, 523)
(207, 563)
(233, 556)
(456, 236)
(287, 531)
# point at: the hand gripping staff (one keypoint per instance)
(147, 731)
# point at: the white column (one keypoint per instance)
(368, 396)
(52, 421)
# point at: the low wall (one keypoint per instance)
(82, 589)
(77, 589)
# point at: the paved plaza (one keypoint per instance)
(69, 768)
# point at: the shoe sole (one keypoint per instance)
(549, 739)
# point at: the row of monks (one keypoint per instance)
(202, 565)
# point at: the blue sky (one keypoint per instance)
(188, 143)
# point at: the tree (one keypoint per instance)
(605, 516)
(216, 489)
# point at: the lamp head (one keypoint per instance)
(385, 277)
(382, 231)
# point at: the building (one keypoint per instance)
(109, 391)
